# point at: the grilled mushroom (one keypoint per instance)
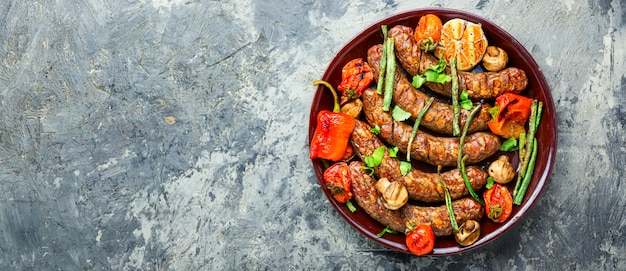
(501, 170)
(495, 59)
(468, 233)
(352, 107)
(394, 193)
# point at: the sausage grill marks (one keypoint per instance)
(421, 186)
(365, 194)
(439, 116)
(426, 147)
(369, 199)
(481, 85)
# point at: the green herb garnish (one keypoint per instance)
(375, 130)
(466, 103)
(399, 114)
(350, 206)
(405, 167)
(435, 77)
(393, 152)
(440, 67)
(418, 81)
(386, 230)
(490, 182)
(509, 144)
(376, 158)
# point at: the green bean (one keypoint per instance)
(532, 127)
(455, 226)
(416, 125)
(539, 109)
(383, 62)
(531, 166)
(455, 98)
(461, 158)
(526, 151)
(530, 153)
(390, 77)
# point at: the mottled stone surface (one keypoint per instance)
(171, 135)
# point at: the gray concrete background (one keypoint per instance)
(171, 135)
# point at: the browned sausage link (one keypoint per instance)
(421, 186)
(438, 218)
(489, 85)
(481, 85)
(364, 192)
(369, 199)
(439, 116)
(426, 147)
(408, 53)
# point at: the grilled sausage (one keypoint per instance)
(464, 209)
(481, 85)
(439, 116)
(365, 194)
(426, 147)
(421, 186)
(369, 199)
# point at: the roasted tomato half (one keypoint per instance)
(421, 240)
(498, 203)
(337, 180)
(428, 31)
(356, 75)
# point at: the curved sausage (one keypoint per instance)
(481, 85)
(369, 199)
(421, 186)
(426, 147)
(365, 194)
(438, 218)
(439, 116)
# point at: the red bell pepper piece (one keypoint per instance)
(332, 132)
(330, 139)
(510, 114)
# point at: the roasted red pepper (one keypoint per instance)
(509, 115)
(337, 180)
(356, 75)
(330, 139)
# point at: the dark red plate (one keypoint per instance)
(537, 88)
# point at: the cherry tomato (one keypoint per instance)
(421, 240)
(429, 26)
(337, 180)
(356, 75)
(498, 203)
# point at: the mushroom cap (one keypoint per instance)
(394, 193)
(495, 59)
(501, 170)
(468, 233)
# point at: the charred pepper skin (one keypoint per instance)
(331, 136)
